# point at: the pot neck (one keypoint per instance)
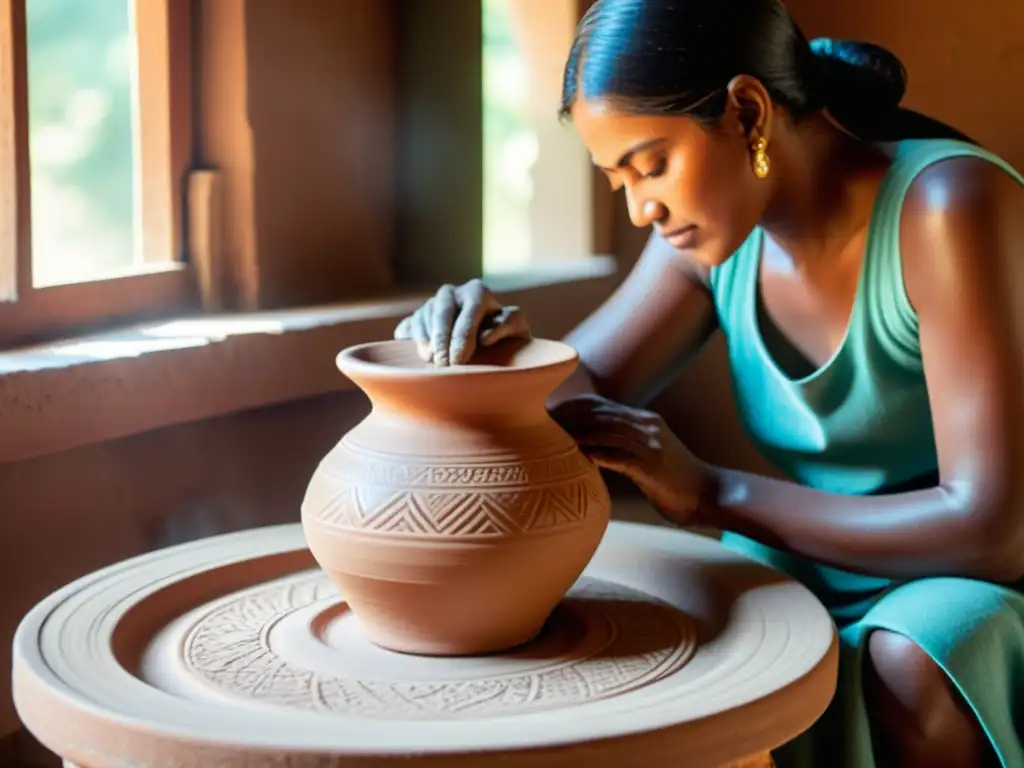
(499, 399)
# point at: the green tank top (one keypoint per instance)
(861, 423)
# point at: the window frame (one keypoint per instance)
(165, 283)
(268, 329)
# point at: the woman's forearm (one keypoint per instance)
(932, 532)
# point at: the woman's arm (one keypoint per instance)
(962, 234)
(639, 338)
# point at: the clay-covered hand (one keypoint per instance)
(638, 444)
(448, 328)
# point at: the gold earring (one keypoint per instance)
(762, 164)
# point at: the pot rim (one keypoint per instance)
(349, 361)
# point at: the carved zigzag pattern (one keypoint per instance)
(462, 513)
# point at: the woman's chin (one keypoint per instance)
(717, 248)
(709, 257)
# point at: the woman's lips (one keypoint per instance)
(684, 237)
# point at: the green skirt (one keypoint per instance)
(973, 630)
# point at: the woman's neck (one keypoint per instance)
(827, 184)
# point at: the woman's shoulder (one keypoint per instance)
(935, 184)
(958, 185)
(963, 203)
(927, 167)
(946, 173)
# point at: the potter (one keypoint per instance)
(864, 264)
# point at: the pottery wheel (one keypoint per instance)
(237, 650)
(293, 643)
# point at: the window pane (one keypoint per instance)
(537, 175)
(81, 73)
(510, 144)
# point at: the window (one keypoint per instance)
(538, 179)
(94, 151)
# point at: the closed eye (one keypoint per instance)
(615, 180)
(658, 169)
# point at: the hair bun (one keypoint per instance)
(859, 76)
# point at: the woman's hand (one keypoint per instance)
(450, 325)
(639, 445)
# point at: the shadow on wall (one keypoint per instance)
(965, 60)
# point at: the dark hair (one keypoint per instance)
(675, 57)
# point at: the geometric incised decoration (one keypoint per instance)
(633, 641)
(360, 465)
(463, 513)
(376, 494)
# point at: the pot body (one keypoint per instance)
(456, 516)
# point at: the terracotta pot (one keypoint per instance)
(456, 516)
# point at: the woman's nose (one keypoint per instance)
(644, 213)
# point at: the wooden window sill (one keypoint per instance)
(66, 394)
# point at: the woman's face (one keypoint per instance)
(695, 184)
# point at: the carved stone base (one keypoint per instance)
(237, 651)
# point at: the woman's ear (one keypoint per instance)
(749, 109)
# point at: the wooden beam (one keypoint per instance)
(163, 125)
(297, 117)
(15, 224)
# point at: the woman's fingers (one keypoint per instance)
(622, 439)
(615, 437)
(475, 302)
(622, 464)
(579, 418)
(509, 323)
(416, 330)
(453, 322)
(581, 408)
(589, 412)
(442, 320)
